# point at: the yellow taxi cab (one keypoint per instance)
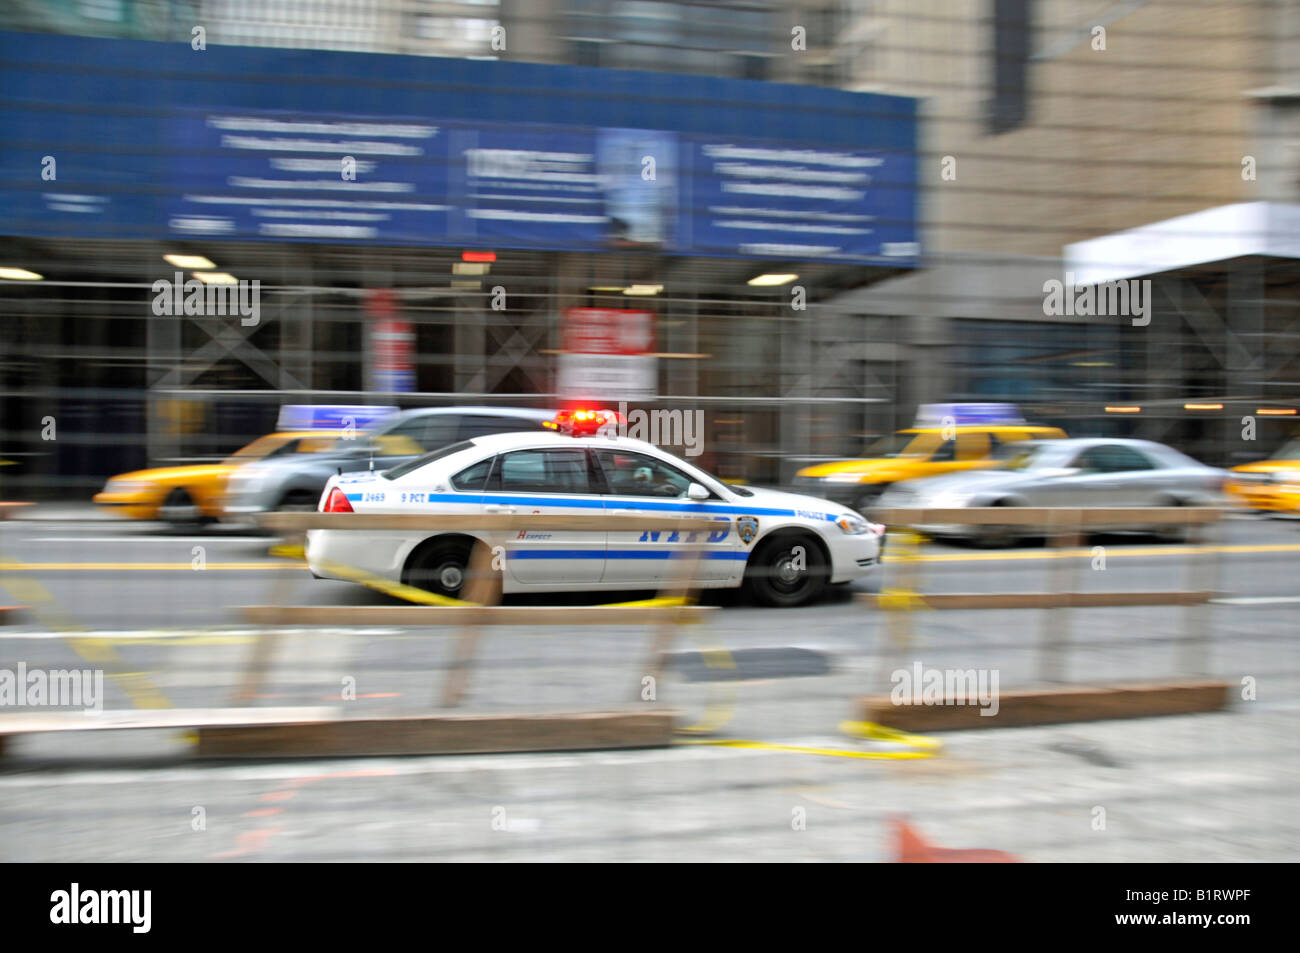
(1271, 485)
(966, 439)
(191, 494)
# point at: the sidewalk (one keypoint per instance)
(66, 512)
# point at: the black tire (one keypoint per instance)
(1172, 532)
(773, 575)
(180, 510)
(299, 501)
(999, 537)
(439, 566)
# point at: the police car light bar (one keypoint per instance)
(963, 414)
(583, 422)
(330, 416)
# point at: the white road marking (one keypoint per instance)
(1256, 600)
(116, 635)
(369, 768)
(149, 539)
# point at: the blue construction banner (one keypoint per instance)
(128, 139)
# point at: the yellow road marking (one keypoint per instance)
(1111, 552)
(800, 749)
(137, 685)
(875, 732)
(397, 590)
(657, 601)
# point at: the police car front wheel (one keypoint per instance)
(787, 571)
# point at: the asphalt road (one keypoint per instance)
(128, 599)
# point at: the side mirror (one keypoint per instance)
(697, 492)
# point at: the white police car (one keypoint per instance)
(783, 547)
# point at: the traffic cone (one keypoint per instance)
(914, 849)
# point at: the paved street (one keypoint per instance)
(1203, 787)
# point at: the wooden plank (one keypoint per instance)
(139, 718)
(1044, 515)
(645, 727)
(472, 615)
(1056, 705)
(471, 522)
(483, 586)
(1048, 600)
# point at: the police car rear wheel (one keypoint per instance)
(788, 571)
(439, 567)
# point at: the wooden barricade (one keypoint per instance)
(1064, 528)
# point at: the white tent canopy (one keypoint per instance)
(1217, 234)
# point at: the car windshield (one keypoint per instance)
(258, 449)
(1021, 455)
(904, 444)
(1289, 451)
(410, 465)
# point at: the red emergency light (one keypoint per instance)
(584, 422)
(478, 256)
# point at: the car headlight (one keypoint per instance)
(125, 486)
(853, 524)
(842, 478)
(1287, 477)
(245, 483)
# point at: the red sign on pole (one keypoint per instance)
(392, 345)
(608, 355)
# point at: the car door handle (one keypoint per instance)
(495, 508)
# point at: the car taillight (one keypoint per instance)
(337, 502)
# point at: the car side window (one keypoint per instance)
(1111, 459)
(543, 471)
(1125, 459)
(946, 452)
(439, 430)
(473, 477)
(635, 474)
(405, 439)
(480, 425)
(1087, 461)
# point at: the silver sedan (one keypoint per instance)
(1079, 472)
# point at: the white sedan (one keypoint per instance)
(783, 547)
